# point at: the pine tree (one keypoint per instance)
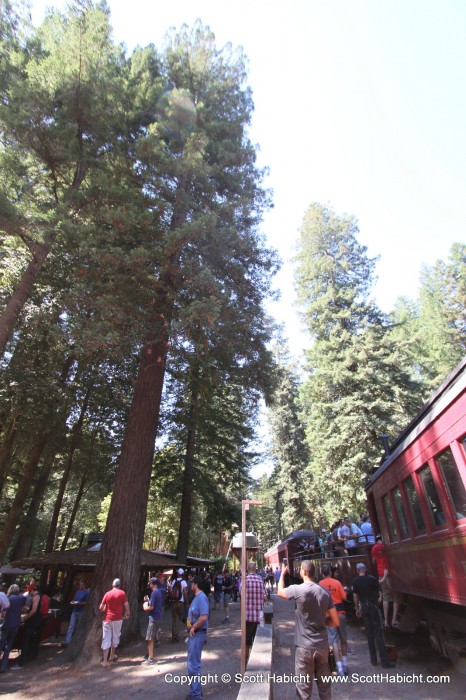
(199, 168)
(358, 385)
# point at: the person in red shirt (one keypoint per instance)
(115, 606)
(380, 559)
(337, 636)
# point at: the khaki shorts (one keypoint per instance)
(388, 594)
(152, 629)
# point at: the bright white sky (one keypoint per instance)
(359, 104)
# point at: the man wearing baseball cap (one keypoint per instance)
(153, 607)
(366, 595)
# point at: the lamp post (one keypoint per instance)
(244, 507)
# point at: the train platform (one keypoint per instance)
(46, 678)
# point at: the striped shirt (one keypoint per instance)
(255, 593)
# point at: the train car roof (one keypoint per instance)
(292, 536)
(438, 402)
(299, 533)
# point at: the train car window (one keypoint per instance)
(433, 500)
(453, 482)
(400, 509)
(413, 499)
(392, 529)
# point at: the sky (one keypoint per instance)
(360, 105)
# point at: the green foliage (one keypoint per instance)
(359, 384)
(289, 480)
(134, 179)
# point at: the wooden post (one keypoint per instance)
(244, 558)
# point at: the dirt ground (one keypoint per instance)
(47, 679)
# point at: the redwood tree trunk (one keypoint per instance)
(77, 501)
(15, 305)
(120, 554)
(7, 447)
(80, 492)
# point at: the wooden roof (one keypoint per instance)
(83, 558)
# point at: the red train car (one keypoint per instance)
(417, 500)
(290, 548)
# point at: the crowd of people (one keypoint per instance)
(343, 537)
(27, 610)
(191, 595)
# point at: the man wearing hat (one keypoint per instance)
(176, 594)
(153, 607)
(366, 601)
(115, 605)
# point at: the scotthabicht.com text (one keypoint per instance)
(252, 678)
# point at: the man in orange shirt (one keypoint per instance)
(337, 636)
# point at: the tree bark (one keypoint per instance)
(22, 492)
(120, 554)
(7, 447)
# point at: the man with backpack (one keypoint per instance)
(176, 595)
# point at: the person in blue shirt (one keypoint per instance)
(366, 529)
(197, 623)
(162, 586)
(153, 606)
(78, 603)
(12, 604)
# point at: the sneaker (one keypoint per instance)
(145, 657)
(345, 670)
(16, 668)
(149, 662)
(227, 619)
